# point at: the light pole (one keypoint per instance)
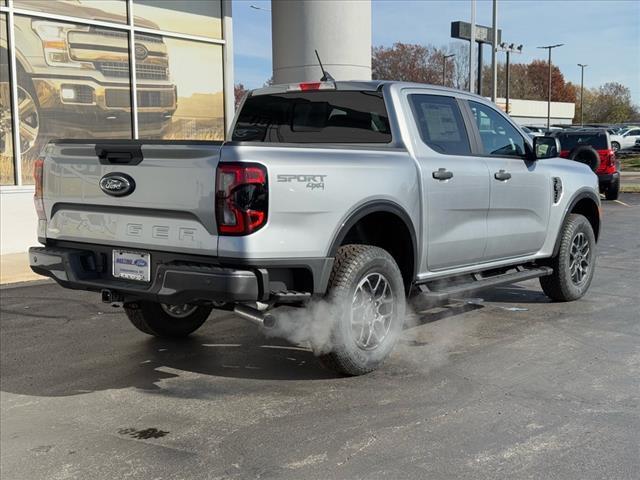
(509, 48)
(494, 49)
(550, 47)
(582, 67)
(444, 65)
(472, 44)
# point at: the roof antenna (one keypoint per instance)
(326, 76)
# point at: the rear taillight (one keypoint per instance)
(241, 198)
(612, 158)
(38, 199)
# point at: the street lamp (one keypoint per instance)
(582, 67)
(444, 65)
(509, 48)
(550, 47)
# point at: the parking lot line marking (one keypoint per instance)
(622, 203)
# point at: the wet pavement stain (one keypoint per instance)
(145, 434)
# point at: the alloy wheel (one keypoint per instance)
(579, 258)
(179, 311)
(29, 120)
(372, 311)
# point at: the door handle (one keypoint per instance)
(442, 174)
(502, 175)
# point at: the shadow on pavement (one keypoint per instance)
(49, 349)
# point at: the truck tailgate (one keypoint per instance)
(170, 204)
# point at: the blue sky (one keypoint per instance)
(605, 34)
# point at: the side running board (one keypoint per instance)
(480, 283)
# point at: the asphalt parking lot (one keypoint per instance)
(504, 385)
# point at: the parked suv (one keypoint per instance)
(593, 147)
(340, 197)
(73, 81)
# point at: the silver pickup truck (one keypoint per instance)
(354, 195)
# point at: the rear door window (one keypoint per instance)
(314, 117)
(440, 123)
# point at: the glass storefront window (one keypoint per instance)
(180, 89)
(6, 132)
(102, 10)
(78, 85)
(193, 17)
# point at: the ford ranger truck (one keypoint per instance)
(351, 194)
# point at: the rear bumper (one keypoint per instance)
(171, 283)
(179, 278)
(606, 179)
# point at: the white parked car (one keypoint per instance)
(536, 131)
(531, 133)
(626, 139)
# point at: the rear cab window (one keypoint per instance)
(335, 116)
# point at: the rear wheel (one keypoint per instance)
(574, 264)
(612, 192)
(168, 321)
(367, 299)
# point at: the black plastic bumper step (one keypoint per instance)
(443, 294)
(290, 296)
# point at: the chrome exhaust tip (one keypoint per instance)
(255, 316)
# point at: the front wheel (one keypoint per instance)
(167, 321)
(574, 264)
(615, 146)
(367, 299)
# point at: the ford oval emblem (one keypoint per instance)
(117, 184)
(141, 52)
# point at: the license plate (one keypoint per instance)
(131, 265)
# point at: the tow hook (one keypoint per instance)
(115, 299)
(255, 316)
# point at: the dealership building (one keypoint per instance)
(152, 69)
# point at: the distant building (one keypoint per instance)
(534, 112)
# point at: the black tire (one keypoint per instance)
(154, 319)
(355, 267)
(562, 285)
(612, 192)
(615, 146)
(587, 155)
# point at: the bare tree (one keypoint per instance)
(460, 73)
(407, 62)
(239, 92)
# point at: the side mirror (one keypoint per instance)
(546, 147)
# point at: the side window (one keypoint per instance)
(498, 136)
(634, 133)
(440, 123)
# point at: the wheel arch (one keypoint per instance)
(358, 226)
(586, 203)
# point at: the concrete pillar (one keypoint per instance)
(339, 29)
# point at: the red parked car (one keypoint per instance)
(593, 147)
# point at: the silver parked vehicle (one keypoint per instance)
(351, 195)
